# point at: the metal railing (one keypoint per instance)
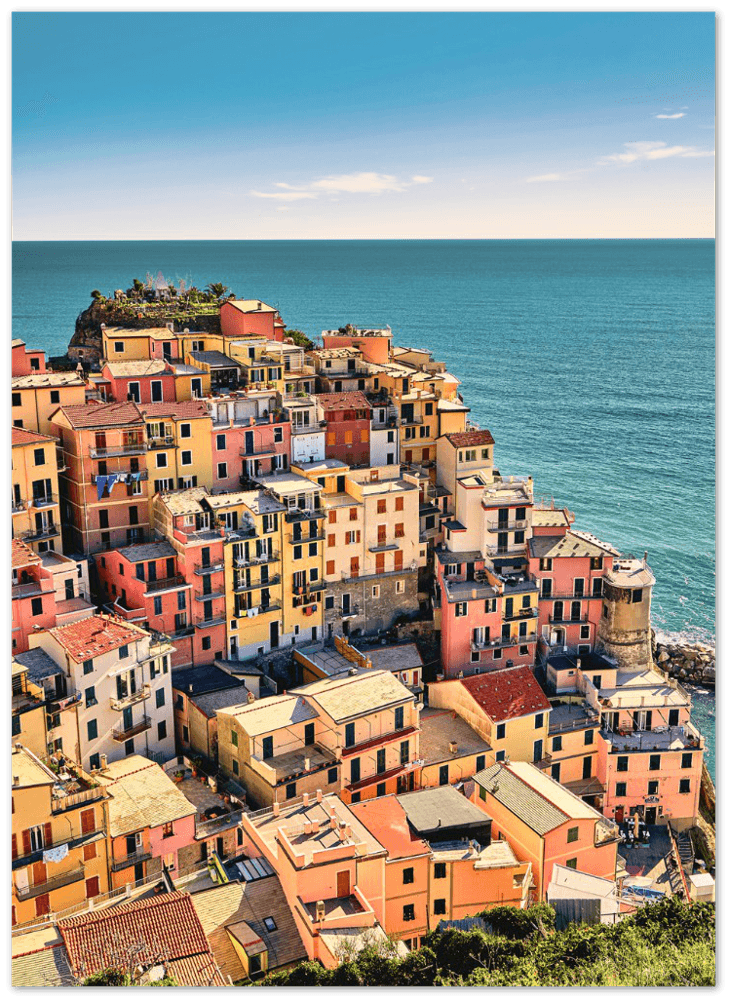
(508, 526)
(75, 799)
(43, 500)
(166, 583)
(130, 859)
(48, 885)
(120, 734)
(213, 595)
(137, 448)
(119, 704)
(46, 531)
(217, 567)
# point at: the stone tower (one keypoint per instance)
(625, 624)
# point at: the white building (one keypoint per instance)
(307, 429)
(120, 677)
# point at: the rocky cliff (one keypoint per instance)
(692, 662)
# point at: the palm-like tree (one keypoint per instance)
(217, 289)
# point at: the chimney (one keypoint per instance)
(103, 761)
(307, 827)
(320, 909)
(305, 799)
(579, 662)
(333, 821)
(319, 795)
(474, 592)
(453, 746)
(348, 832)
(187, 329)
(315, 826)
(16, 779)
(276, 809)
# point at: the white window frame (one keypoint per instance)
(189, 457)
(224, 467)
(131, 388)
(152, 384)
(188, 428)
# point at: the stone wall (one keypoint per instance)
(692, 662)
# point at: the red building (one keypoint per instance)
(347, 415)
(26, 361)
(151, 381)
(241, 317)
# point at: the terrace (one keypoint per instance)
(685, 737)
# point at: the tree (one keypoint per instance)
(217, 289)
(96, 295)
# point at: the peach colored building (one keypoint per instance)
(545, 823)
(242, 317)
(147, 381)
(35, 507)
(374, 345)
(36, 397)
(26, 360)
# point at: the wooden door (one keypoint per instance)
(342, 884)
(39, 872)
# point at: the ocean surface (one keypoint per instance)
(591, 362)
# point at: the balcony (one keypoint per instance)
(297, 514)
(119, 704)
(142, 475)
(520, 614)
(166, 583)
(114, 451)
(213, 595)
(36, 534)
(31, 589)
(127, 860)
(409, 421)
(302, 539)
(561, 620)
(240, 586)
(259, 609)
(167, 441)
(386, 545)
(263, 451)
(259, 560)
(18, 505)
(76, 874)
(508, 526)
(121, 735)
(183, 632)
(44, 500)
(502, 643)
(217, 567)
(661, 738)
(505, 550)
(209, 622)
(560, 596)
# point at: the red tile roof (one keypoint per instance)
(507, 694)
(343, 400)
(94, 414)
(21, 437)
(164, 930)
(387, 821)
(466, 439)
(22, 554)
(96, 635)
(187, 409)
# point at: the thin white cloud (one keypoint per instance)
(290, 187)
(283, 195)
(546, 177)
(653, 151)
(681, 114)
(419, 179)
(364, 182)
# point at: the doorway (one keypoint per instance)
(342, 884)
(274, 635)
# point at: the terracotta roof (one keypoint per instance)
(465, 439)
(22, 554)
(343, 400)
(188, 409)
(94, 636)
(22, 437)
(166, 927)
(126, 369)
(386, 820)
(47, 380)
(142, 796)
(507, 694)
(102, 415)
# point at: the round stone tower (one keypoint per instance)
(625, 623)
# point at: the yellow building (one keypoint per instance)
(58, 836)
(302, 564)
(179, 445)
(262, 362)
(254, 582)
(507, 708)
(122, 344)
(35, 489)
(36, 397)
(28, 711)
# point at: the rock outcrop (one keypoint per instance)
(694, 662)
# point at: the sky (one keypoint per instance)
(335, 126)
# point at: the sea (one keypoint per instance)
(590, 361)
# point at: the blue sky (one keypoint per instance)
(234, 126)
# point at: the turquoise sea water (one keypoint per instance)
(592, 362)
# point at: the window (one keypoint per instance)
(572, 834)
(291, 790)
(382, 506)
(653, 787)
(439, 906)
(589, 737)
(637, 596)
(538, 721)
(461, 610)
(546, 588)
(687, 760)
(162, 730)
(90, 697)
(443, 775)
(234, 737)
(355, 770)
(161, 460)
(236, 769)
(181, 600)
(92, 729)
(556, 771)
(159, 697)
(500, 755)
(620, 790)
(167, 830)
(399, 584)
(684, 786)
(501, 731)
(16, 399)
(222, 470)
(556, 743)
(405, 752)
(654, 762)
(270, 924)
(118, 346)
(604, 610)
(267, 747)
(622, 763)
(331, 775)
(408, 876)
(545, 565)
(399, 718)
(439, 869)
(381, 790)
(186, 432)
(572, 863)
(94, 761)
(36, 606)
(88, 666)
(408, 912)
(309, 734)
(186, 458)
(399, 530)
(480, 762)
(39, 457)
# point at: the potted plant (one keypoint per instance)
(178, 776)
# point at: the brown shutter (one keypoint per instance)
(26, 842)
(47, 834)
(15, 847)
(88, 822)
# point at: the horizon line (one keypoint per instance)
(350, 239)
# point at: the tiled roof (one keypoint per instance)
(440, 809)
(96, 635)
(344, 697)
(47, 380)
(22, 554)
(187, 409)
(343, 400)
(165, 928)
(46, 968)
(520, 798)
(270, 714)
(507, 694)
(386, 820)
(572, 544)
(22, 437)
(39, 664)
(102, 415)
(227, 905)
(128, 369)
(142, 796)
(466, 439)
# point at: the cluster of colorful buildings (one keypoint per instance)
(219, 540)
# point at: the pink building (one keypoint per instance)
(34, 600)
(569, 567)
(245, 450)
(156, 587)
(26, 361)
(139, 381)
(242, 317)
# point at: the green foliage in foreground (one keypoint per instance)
(300, 339)
(118, 977)
(664, 944)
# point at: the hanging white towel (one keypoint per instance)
(55, 853)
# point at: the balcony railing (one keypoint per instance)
(46, 531)
(120, 734)
(213, 595)
(182, 632)
(297, 514)
(119, 704)
(209, 622)
(141, 474)
(130, 448)
(217, 567)
(166, 583)
(302, 539)
(75, 799)
(505, 550)
(521, 613)
(19, 505)
(130, 859)
(167, 441)
(258, 560)
(568, 620)
(43, 500)
(503, 643)
(76, 874)
(565, 596)
(241, 586)
(259, 452)
(508, 526)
